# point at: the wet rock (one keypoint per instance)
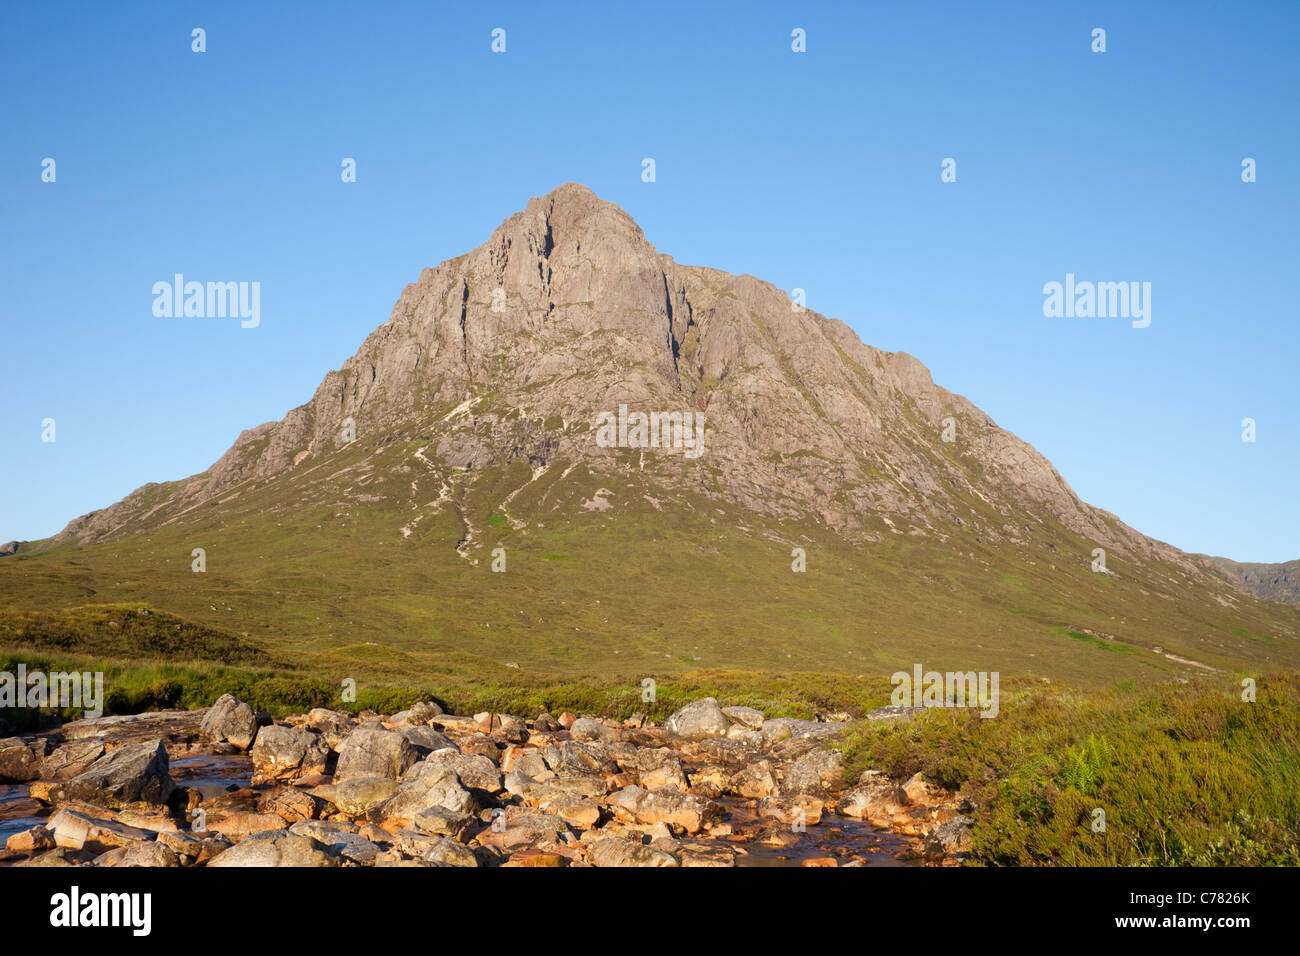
(698, 720)
(786, 809)
(19, 762)
(73, 830)
(283, 753)
(230, 721)
(36, 839)
(372, 751)
(135, 772)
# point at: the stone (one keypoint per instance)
(36, 839)
(660, 767)
(73, 830)
(617, 851)
(283, 753)
(474, 772)
(440, 821)
(745, 717)
(698, 720)
(754, 780)
(241, 823)
(230, 721)
(358, 797)
(785, 809)
(817, 772)
(135, 772)
(588, 729)
(276, 848)
(140, 854)
(951, 839)
(19, 763)
(72, 758)
(372, 751)
(339, 839)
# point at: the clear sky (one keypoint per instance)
(817, 170)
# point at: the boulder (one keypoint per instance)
(72, 758)
(19, 762)
(230, 721)
(745, 717)
(283, 753)
(372, 751)
(951, 839)
(586, 728)
(618, 851)
(276, 848)
(135, 772)
(698, 720)
(817, 772)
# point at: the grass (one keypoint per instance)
(1186, 774)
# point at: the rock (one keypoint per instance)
(447, 852)
(358, 797)
(754, 780)
(745, 717)
(287, 753)
(19, 763)
(785, 809)
(567, 719)
(665, 805)
(8, 548)
(730, 751)
(230, 721)
(697, 721)
(73, 830)
(372, 751)
(135, 772)
(921, 793)
(578, 757)
(893, 712)
(709, 780)
(660, 767)
(876, 801)
(340, 839)
(140, 854)
(57, 857)
(276, 848)
(481, 745)
(415, 796)
(617, 851)
(71, 759)
(579, 812)
(701, 853)
(473, 771)
(951, 839)
(426, 740)
(817, 772)
(440, 821)
(333, 725)
(522, 828)
(241, 823)
(31, 841)
(291, 805)
(588, 729)
(190, 848)
(546, 723)
(783, 728)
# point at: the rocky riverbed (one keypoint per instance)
(225, 786)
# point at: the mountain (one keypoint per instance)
(1272, 582)
(361, 526)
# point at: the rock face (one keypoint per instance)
(569, 311)
(1272, 582)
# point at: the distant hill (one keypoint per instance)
(1272, 582)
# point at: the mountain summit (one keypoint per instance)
(567, 311)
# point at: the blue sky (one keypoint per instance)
(817, 170)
